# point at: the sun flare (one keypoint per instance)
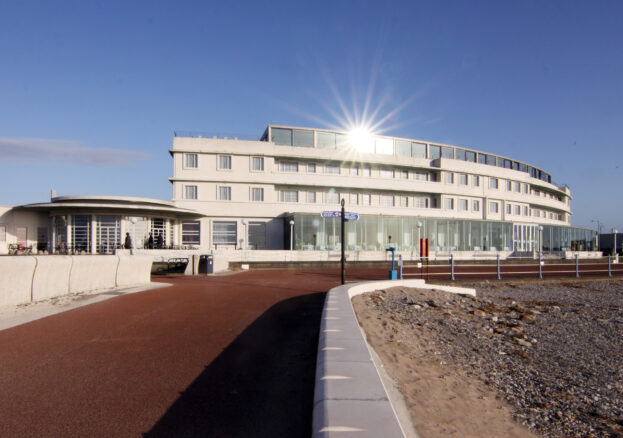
(361, 139)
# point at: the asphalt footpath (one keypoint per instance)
(215, 356)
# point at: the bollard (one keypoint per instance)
(452, 267)
(609, 266)
(499, 271)
(577, 267)
(540, 266)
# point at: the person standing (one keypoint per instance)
(160, 241)
(150, 241)
(128, 241)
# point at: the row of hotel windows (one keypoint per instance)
(389, 146)
(257, 164)
(365, 199)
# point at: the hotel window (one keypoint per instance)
(508, 186)
(366, 171)
(475, 205)
(311, 197)
(404, 174)
(536, 213)
(387, 201)
(475, 180)
(525, 211)
(257, 194)
(224, 162)
(190, 192)
(353, 199)
(460, 154)
(311, 167)
(551, 215)
(491, 160)
(404, 201)
(517, 210)
(517, 186)
(421, 176)
(418, 150)
(447, 152)
(325, 140)
(403, 148)
(354, 171)
(493, 183)
(463, 204)
(224, 233)
(224, 193)
(462, 179)
(257, 164)
(449, 178)
(421, 202)
(494, 207)
(449, 203)
(387, 173)
(281, 137)
(385, 146)
(191, 233)
(332, 198)
(365, 199)
(508, 208)
(303, 138)
(191, 161)
(288, 196)
(332, 169)
(435, 152)
(526, 188)
(288, 166)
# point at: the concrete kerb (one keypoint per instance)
(352, 392)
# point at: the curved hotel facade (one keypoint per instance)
(253, 194)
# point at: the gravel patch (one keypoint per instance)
(552, 349)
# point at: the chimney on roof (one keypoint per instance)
(52, 194)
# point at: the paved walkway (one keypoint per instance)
(209, 356)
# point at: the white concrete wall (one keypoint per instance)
(16, 275)
(31, 278)
(93, 272)
(133, 270)
(51, 277)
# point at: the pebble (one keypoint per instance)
(561, 385)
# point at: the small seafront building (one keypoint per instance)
(269, 194)
(93, 225)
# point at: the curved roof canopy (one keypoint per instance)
(111, 204)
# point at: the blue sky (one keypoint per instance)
(91, 92)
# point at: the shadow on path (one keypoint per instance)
(261, 385)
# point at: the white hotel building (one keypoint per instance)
(249, 193)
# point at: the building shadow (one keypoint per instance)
(261, 385)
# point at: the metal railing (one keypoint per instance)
(502, 269)
(221, 135)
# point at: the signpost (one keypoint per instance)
(349, 216)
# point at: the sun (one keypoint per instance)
(361, 139)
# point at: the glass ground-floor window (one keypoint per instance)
(107, 234)
(159, 232)
(191, 233)
(81, 233)
(224, 232)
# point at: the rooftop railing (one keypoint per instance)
(216, 135)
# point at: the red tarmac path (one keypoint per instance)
(219, 356)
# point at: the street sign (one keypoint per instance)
(349, 216)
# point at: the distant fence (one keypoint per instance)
(504, 269)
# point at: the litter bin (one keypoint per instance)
(206, 264)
